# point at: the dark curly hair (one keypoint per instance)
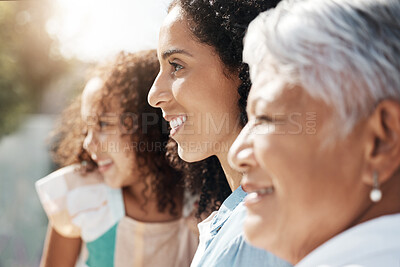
(129, 79)
(222, 25)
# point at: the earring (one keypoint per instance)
(376, 193)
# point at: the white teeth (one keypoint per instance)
(257, 195)
(175, 123)
(104, 162)
(265, 191)
(251, 196)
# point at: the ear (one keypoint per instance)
(383, 153)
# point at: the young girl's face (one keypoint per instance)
(104, 141)
(197, 94)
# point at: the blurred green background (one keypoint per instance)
(28, 62)
(36, 82)
(47, 48)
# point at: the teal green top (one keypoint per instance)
(102, 250)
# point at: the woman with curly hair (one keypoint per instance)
(118, 194)
(202, 89)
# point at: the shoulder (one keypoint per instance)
(66, 179)
(234, 250)
(57, 187)
(76, 203)
(372, 243)
(240, 253)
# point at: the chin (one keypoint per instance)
(255, 232)
(111, 182)
(191, 156)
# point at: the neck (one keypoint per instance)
(138, 209)
(232, 176)
(135, 191)
(390, 203)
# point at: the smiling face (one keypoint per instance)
(104, 142)
(301, 192)
(196, 93)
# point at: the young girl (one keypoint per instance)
(202, 89)
(118, 194)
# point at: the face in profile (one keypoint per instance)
(105, 142)
(197, 95)
(301, 191)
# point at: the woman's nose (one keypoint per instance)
(241, 154)
(160, 92)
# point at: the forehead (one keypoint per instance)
(265, 91)
(275, 94)
(174, 15)
(174, 24)
(176, 35)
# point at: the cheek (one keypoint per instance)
(215, 93)
(187, 89)
(180, 90)
(104, 138)
(127, 152)
(126, 166)
(285, 162)
(226, 93)
(285, 155)
(125, 170)
(272, 153)
(300, 175)
(120, 148)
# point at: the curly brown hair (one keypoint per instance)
(222, 25)
(129, 79)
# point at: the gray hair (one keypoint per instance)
(344, 52)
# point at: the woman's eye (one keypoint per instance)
(262, 119)
(176, 67)
(262, 125)
(104, 124)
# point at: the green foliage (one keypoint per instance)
(10, 87)
(26, 62)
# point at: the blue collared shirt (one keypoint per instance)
(222, 243)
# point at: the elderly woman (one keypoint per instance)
(321, 151)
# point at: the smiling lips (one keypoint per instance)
(257, 195)
(104, 165)
(176, 123)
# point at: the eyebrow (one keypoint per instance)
(171, 52)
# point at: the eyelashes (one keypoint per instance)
(100, 126)
(176, 67)
(262, 124)
(262, 119)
